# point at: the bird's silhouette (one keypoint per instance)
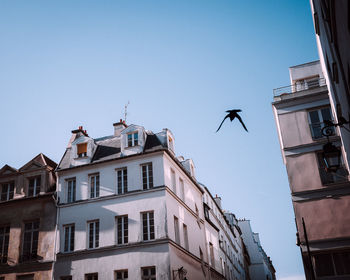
(232, 114)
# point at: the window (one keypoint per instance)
(122, 180)
(332, 264)
(4, 243)
(317, 120)
(69, 231)
(121, 274)
(71, 190)
(206, 211)
(122, 229)
(147, 176)
(66, 278)
(133, 139)
(182, 190)
(94, 230)
(185, 232)
(335, 75)
(25, 277)
(34, 186)
(317, 24)
(173, 180)
(7, 191)
(82, 150)
(148, 225)
(331, 177)
(94, 186)
(91, 276)
(211, 251)
(148, 273)
(30, 241)
(176, 230)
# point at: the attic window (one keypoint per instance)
(133, 139)
(82, 150)
(171, 143)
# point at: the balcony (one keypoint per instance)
(299, 86)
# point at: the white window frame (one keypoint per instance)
(94, 187)
(122, 271)
(321, 120)
(149, 175)
(149, 226)
(134, 141)
(95, 234)
(36, 186)
(71, 237)
(10, 191)
(124, 229)
(124, 180)
(71, 190)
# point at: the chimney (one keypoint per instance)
(218, 200)
(119, 127)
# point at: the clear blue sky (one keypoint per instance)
(181, 64)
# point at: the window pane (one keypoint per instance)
(314, 117)
(342, 263)
(324, 265)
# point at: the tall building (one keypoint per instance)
(27, 220)
(332, 28)
(130, 209)
(320, 194)
(260, 267)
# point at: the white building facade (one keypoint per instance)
(129, 209)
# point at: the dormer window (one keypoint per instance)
(34, 186)
(7, 191)
(82, 150)
(133, 139)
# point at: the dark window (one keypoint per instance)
(177, 230)
(332, 264)
(66, 278)
(71, 190)
(91, 276)
(122, 229)
(317, 25)
(4, 243)
(69, 232)
(122, 181)
(148, 225)
(94, 229)
(30, 241)
(34, 186)
(147, 176)
(148, 273)
(7, 191)
(317, 119)
(331, 177)
(121, 274)
(26, 277)
(335, 75)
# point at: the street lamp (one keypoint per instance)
(331, 154)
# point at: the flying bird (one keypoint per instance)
(232, 114)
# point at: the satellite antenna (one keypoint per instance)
(126, 110)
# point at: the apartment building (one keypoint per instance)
(224, 242)
(320, 192)
(332, 29)
(260, 266)
(130, 209)
(27, 220)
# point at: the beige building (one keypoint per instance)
(27, 220)
(320, 196)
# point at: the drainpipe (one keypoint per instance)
(308, 250)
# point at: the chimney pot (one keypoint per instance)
(81, 127)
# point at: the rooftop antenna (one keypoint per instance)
(126, 110)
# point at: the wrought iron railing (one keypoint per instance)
(299, 86)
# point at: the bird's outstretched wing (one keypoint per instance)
(223, 121)
(240, 120)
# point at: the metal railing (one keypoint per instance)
(299, 86)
